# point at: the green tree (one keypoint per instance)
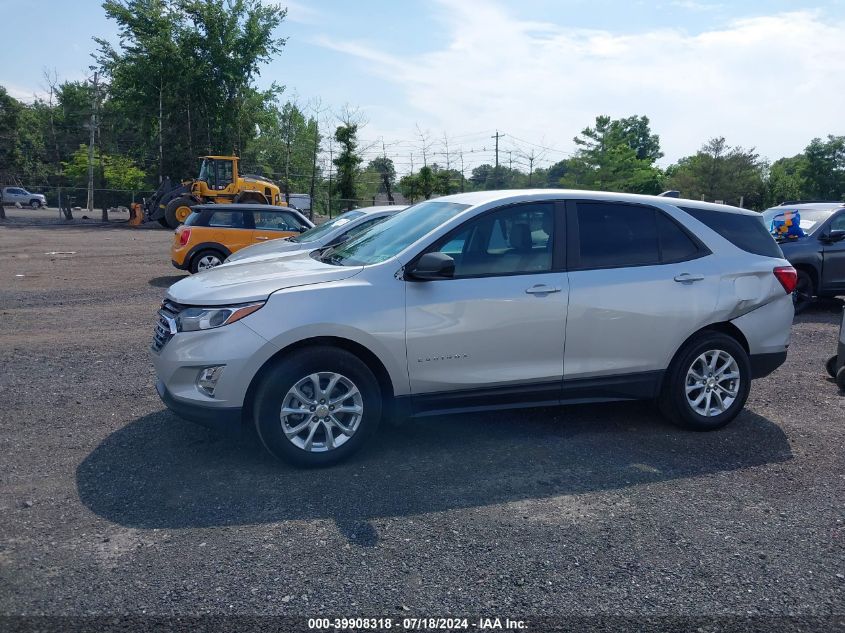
(347, 163)
(183, 73)
(720, 172)
(386, 171)
(786, 180)
(615, 155)
(824, 170)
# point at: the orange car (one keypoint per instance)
(215, 231)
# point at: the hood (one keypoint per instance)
(240, 282)
(270, 248)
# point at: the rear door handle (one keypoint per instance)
(688, 278)
(541, 290)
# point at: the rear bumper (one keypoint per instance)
(224, 420)
(176, 264)
(764, 364)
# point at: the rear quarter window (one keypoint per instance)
(746, 232)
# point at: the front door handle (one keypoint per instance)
(262, 237)
(541, 290)
(688, 278)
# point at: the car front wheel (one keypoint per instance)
(35, 204)
(317, 406)
(707, 383)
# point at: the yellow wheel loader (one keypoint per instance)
(218, 181)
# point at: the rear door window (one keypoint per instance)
(618, 235)
(613, 235)
(746, 232)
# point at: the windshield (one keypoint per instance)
(811, 219)
(391, 237)
(324, 229)
(205, 171)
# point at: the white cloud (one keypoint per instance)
(27, 95)
(773, 82)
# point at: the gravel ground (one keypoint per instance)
(111, 505)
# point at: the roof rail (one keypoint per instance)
(672, 193)
(791, 202)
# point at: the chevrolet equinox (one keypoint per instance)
(482, 301)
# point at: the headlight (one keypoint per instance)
(193, 319)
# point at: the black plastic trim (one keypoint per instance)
(225, 420)
(764, 364)
(638, 386)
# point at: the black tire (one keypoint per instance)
(804, 292)
(174, 211)
(35, 204)
(673, 400)
(199, 261)
(295, 367)
(830, 366)
(163, 222)
(840, 378)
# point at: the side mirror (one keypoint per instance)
(302, 229)
(432, 266)
(836, 235)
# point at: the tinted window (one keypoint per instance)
(614, 235)
(743, 231)
(327, 227)
(232, 219)
(275, 221)
(675, 244)
(514, 240)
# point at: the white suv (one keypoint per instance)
(482, 301)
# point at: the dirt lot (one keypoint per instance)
(111, 505)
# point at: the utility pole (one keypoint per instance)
(314, 170)
(331, 162)
(462, 171)
(93, 126)
(288, 141)
(496, 170)
(386, 175)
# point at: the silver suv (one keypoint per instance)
(13, 195)
(482, 301)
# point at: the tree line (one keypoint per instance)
(181, 82)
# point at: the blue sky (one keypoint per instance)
(764, 74)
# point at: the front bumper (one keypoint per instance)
(226, 420)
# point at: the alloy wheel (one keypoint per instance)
(207, 262)
(712, 383)
(321, 412)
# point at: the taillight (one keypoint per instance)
(184, 236)
(788, 278)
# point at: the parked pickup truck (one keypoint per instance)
(817, 250)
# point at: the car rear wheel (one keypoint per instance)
(206, 260)
(317, 406)
(804, 291)
(35, 204)
(840, 378)
(707, 383)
